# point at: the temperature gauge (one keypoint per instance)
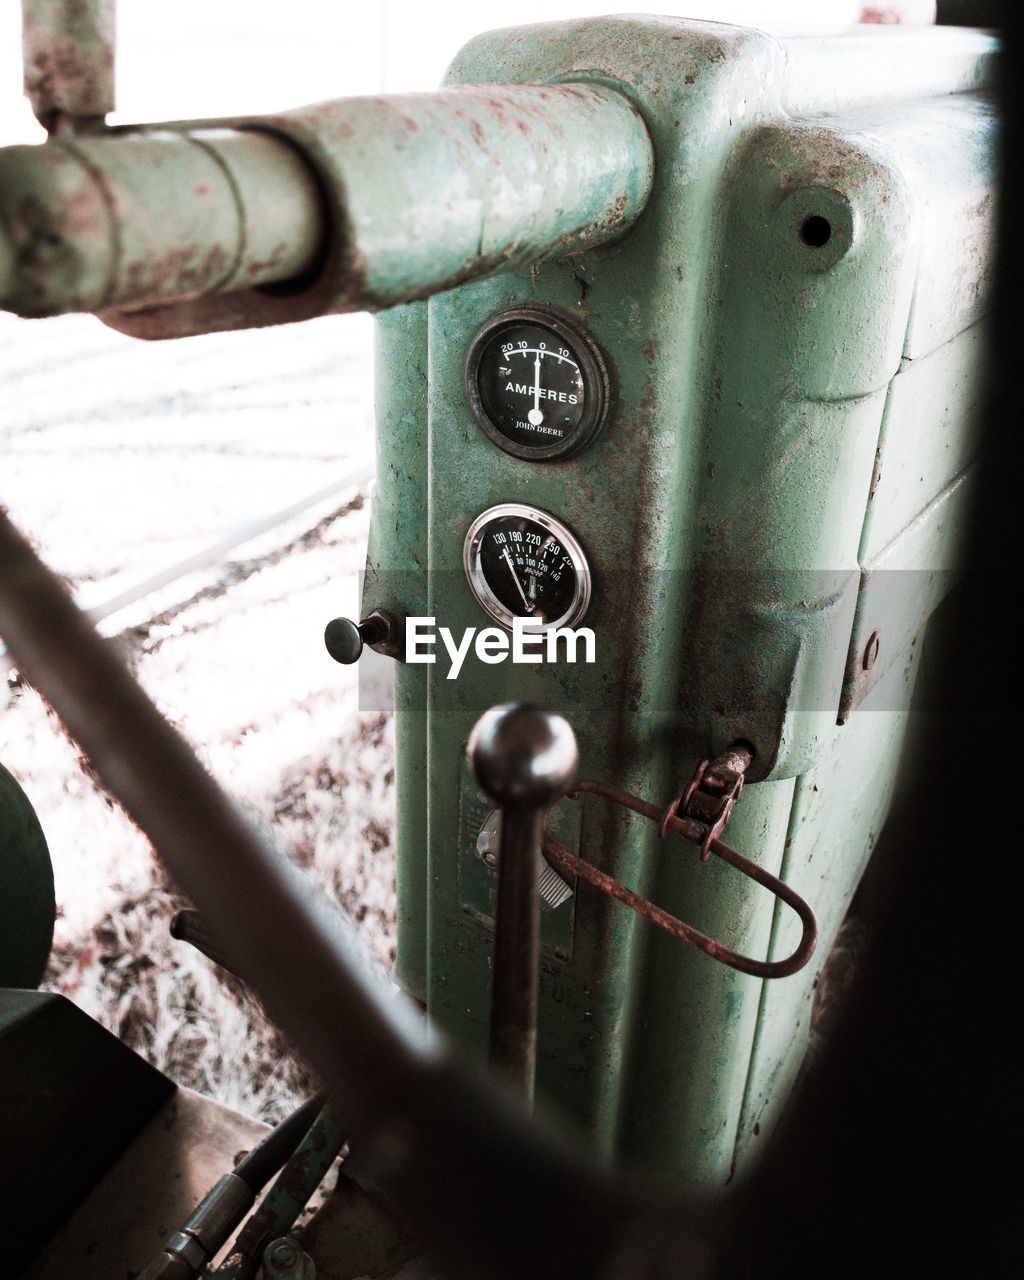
(522, 562)
(537, 383)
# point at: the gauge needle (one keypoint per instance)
(535, 416)
(515, 578)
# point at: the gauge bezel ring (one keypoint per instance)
(485, 597)
(587, 356)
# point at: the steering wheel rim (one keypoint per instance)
(470, 1170)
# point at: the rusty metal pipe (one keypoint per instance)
(91, 223)
(68, 55)
(362, 204)
(693, 831)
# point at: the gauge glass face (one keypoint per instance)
(537, 383)
(523, 563)
(531, 386)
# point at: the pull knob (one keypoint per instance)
(345, 639)
(525, 759)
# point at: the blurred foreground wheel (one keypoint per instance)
(27, 908)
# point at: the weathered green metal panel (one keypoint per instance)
(839, 809)
(723, 509)
(931, 433)
(396, 580)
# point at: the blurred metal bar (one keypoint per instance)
(68, 54)
(492, 1194)
(211, 849)
(212, 552)
(90, 223)
(362, 203)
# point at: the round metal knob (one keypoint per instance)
(345, 639)
(523, 756)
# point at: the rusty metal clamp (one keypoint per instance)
(710, 794)
(703, 832)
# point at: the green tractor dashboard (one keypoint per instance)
(681, 331)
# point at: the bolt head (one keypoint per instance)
(283, 1255)
(523, 756)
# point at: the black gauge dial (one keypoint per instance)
(537, 383)
(523, 563)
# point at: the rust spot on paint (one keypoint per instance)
(257, 267)
(179, 273)
(69, 74)
(887, 14)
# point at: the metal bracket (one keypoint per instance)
(710, 794)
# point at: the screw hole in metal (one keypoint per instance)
(816, 231)
(871, 651)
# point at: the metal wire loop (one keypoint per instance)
(693, 831)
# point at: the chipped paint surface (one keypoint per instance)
(751, 355)
(755, 320)
(88, 223)
(358, 204)
(426, 191)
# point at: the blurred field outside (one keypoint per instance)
(120, 458)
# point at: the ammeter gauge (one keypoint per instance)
(537, 383)
(523, 563)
